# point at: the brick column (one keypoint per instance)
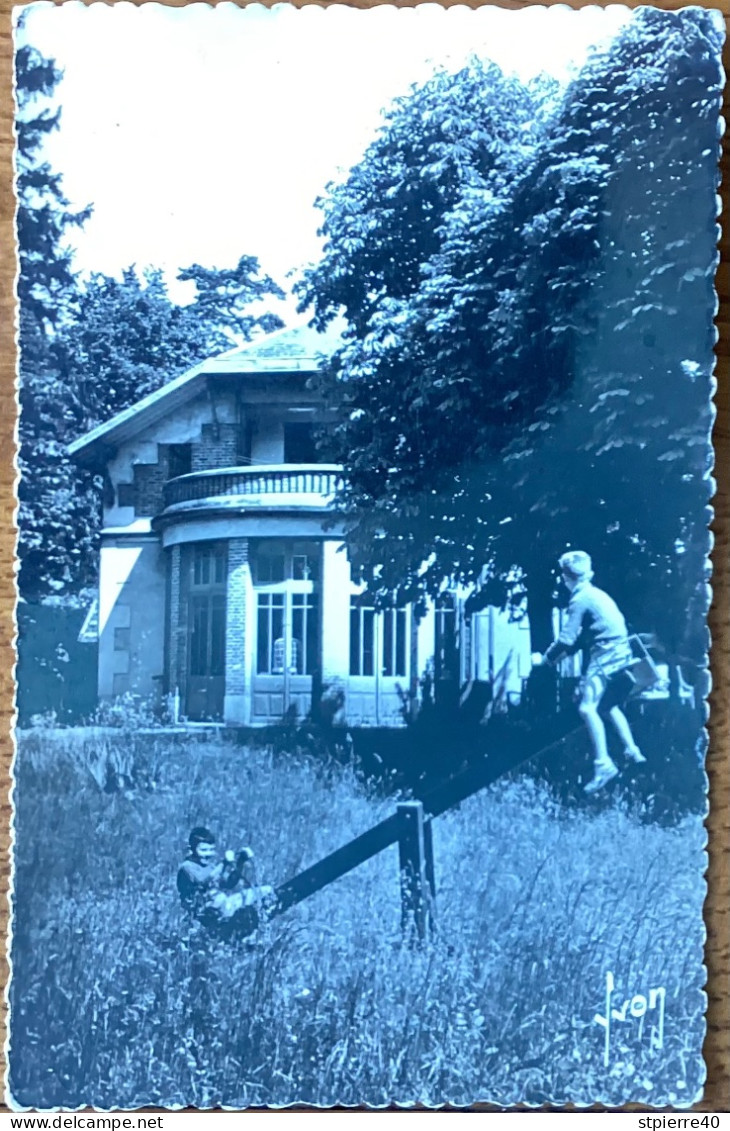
(335, 631)
(175, 656)
(237, 706)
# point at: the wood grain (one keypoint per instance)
(717, 908)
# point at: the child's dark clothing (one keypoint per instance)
(207, 894)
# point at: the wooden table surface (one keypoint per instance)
(717, 908)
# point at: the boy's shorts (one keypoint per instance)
(607, 678)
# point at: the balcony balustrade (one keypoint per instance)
(282, 484)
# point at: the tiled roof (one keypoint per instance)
(288, 344)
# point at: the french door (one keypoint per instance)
(379, 664)
(206, 619)
(287, 648)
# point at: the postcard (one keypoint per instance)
(365, 382)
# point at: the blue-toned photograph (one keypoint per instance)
(365, 385)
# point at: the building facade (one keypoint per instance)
(225, 590)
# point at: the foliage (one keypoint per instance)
(57, 503)
(412, 382)
(56, 673)
(114, 1002)
(223, 299)
(46, 281)
(129, 713)
(621, 465)
(89, 350)
(129, 337)
(528, 327)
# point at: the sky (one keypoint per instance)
(200, 134)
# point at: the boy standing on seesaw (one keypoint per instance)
(595, 620)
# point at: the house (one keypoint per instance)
(222, 585)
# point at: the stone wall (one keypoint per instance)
(131, 619)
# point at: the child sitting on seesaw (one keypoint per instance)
(207, 888)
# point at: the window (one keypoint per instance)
(304, 566)
(209, 564)
(394, 641)
(446, 650)
(362, 639)
(179, 460)
(299, 443)
(276, 561)
(207, 609)
(305, 561)
(208, 636)
(305, 622)
(270, 659)
(287, 611)
(287, 647)
(378, 637)
(270, 566)
(125, 494)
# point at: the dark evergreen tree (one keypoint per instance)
(56, 502)
(46, 282)
(224, 297)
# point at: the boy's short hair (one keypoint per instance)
(200, 835)
(576, 565)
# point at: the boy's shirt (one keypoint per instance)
(594, 620)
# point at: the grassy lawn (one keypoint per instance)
(115, 1002)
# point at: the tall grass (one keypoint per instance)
(117, 1002)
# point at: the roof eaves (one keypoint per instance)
(244, 361)
(102, 431)
(255, 365)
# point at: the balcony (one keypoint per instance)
(263, 487)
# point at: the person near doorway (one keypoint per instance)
(595, 621)
(217, 892)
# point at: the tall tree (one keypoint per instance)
(449, 355)
(538, 364)
(54, 499)
(620, 464)
(46, 279)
